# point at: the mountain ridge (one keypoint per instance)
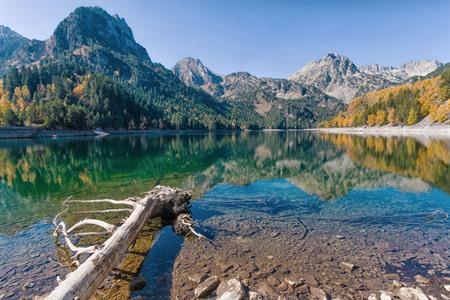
(91, 41)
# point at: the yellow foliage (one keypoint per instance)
(430, 97)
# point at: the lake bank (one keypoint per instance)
(438, 131)
(32, 132)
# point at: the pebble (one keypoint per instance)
(254, 296)
(310, 280)
(230, 290)
(28, 285)
(408, 293)
(421, 279)
(347, 266)
(273, 281)
(385, 296)
(392, 276)
(318, 294)
(197, 278)
(294, 280)
(206, 287)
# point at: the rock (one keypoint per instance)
(372, 297)
(340, 237)
(385, 296)
(392, 276)
(273, 281)
(397, 284)
(302, 289)
(347, 266)
(421, 279)
(138, 283)
(254, 296)
(318, 294)
(373, 283)
(197, 278)
(28, 285)
(266, 290)
(294, 280)
(206, 287)
(230, 290)
(282, 287)
(409, 293)
(310, 280)
(447, 287)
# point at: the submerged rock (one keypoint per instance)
(230, 290)
(421, 279)
(138, 283)
(206, 287)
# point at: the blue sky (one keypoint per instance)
(266, 38)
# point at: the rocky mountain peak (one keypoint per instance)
(421, 67)
(336, 75)
(194, 73)
(93, 26)
(6, 32)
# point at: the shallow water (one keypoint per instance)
(293, 189)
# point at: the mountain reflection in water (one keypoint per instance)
(275, 177)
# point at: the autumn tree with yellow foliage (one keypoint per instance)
(405, 104)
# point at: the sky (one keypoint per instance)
(265, 38)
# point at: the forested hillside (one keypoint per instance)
(425, 100)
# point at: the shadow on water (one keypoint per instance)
(158, 265)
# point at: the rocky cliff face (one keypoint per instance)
(93, 26)
(193, 73)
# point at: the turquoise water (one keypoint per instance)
(305, 182)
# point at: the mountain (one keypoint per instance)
(16, 50)
(10, 41)
(92, 67)
(403, 73)
(339, 77)
(422, 102)
(193, 73)
(280, 100)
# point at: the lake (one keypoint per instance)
(348, 214)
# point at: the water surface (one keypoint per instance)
(294, 187)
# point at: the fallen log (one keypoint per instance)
(82, 283)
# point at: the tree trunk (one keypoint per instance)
(82, 283)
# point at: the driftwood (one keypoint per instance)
(82, 283)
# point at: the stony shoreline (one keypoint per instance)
(329, 262)
(432, 131)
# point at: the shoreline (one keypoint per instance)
(437, 131)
